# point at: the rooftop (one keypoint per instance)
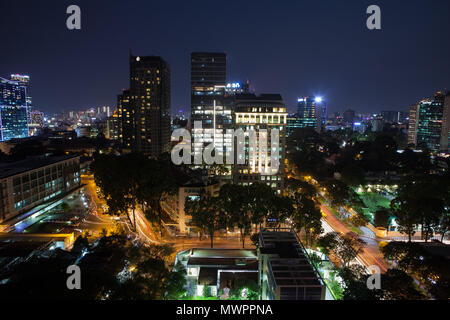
(261, 97)
(14, 168)
(224, 253)
(288, 260)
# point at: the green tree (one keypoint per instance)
(235, 199)
(405, 214)
(26, 149)
(307, 218)
(207, 214)
(338, 192)
(382, 218)
(328, 242)
(355, 284)
(353, 175)
(117, 177)
(176, 283)
(307, 150)
(305, 189)
(358, 220)
(420, 200)
(261, 201)
(397, 285)
(244, 289)
(155, 183)
(347, 248)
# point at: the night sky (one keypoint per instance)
(294, 48)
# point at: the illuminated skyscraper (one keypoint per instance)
(13, 110)
(311, 112)
(262, 114)
(126, 120)
(208, 105)
(293, 122)
(413, 123)
(150, 100)
(445, 135)
(113, 126)
(24, 81)
(432, 123)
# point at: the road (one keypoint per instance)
(147, 233)
(144, 231)
(371, 254)
(95, 221)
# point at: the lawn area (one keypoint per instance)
(374, 201)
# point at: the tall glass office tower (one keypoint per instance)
(13, 110)
(432, 126)
(311, 112)
(208, 104)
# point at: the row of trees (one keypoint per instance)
(249, 208)
(134, 179)
(430, 269)
(396, 283)
(353, 154)
(423, 200)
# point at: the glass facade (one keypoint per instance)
(429, 127)
(25, 190)
(311, 112)
(13, 110)
(209, 103)
(293, 122)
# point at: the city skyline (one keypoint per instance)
(259, 151)
(350, 66)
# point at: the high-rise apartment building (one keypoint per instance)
(262, 114)
(150, 100)
(13, 110)
(113, 126)
(413, 123)
(126, 120)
